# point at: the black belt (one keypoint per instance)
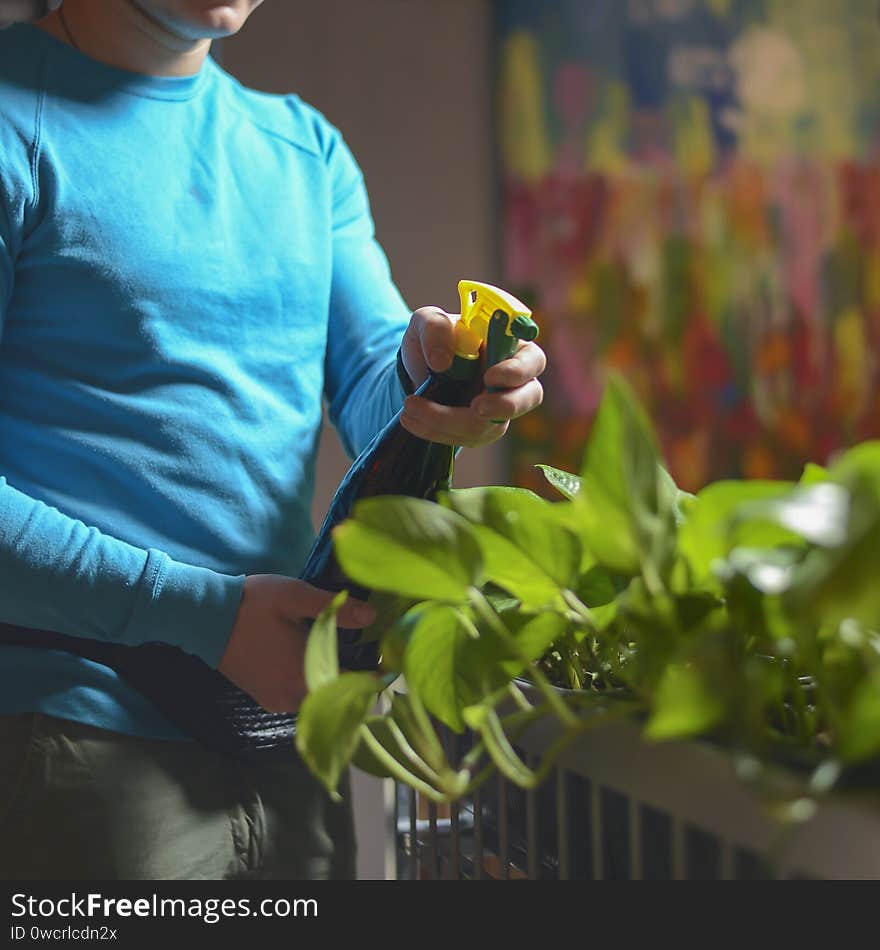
(201, 702)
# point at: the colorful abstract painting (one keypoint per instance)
(691, 196)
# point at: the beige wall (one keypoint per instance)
(408, 83)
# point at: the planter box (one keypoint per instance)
(621, 808)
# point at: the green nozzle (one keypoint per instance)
(524, 328)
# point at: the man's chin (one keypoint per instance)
(217, 23)
(219, 20)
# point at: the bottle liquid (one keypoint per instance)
(397, 462)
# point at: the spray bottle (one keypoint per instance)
(397, 462)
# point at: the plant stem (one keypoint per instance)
(503, 753)
(429, 745)
(397, 770)
(479, 779)
(410, 754)
(653, 582)
(472, 757)
(554, 700)
(516, 694)
(580, 609)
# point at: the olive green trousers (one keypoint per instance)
(80, 803)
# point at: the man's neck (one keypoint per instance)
(119, 33)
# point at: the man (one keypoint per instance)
(186, 268)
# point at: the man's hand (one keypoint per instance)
(15, 11)
(428, 345)
(266, 650)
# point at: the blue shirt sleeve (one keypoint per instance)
(60, 574)
(368, 316)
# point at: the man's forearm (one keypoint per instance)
(59, 574)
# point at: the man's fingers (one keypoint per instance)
(509, 404)
(448, 425)
(528, 362)
(470, 425)
(436, 336)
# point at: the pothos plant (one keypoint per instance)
(748, 614)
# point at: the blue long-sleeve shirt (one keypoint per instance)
(186, 268)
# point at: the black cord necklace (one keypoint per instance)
(63, 20)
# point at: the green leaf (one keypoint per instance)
(768, 570)
(813, 474)
(475, 716)
(328, 724)
(597, 590)
(837, 584)
(607, 534)
(622, 450)
(527, 549)
(471, 503)
(534, 638)
(705, 534)
(570, 515)
(389, 609)
(692, 608)
(840, 584)
(672, 497)
(684, 705)
(397, 636)
(626, 506)
(529, 523)
(438, 664)
(499, 598)
(322, 647)
(818, 513)
(602, 616)
(564, 482)
(860, 730)
(507, 566)
(596, 587)
(410, 547)
(859, 465)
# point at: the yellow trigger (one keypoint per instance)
(478, 303)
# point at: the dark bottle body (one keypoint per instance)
(396, 462)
